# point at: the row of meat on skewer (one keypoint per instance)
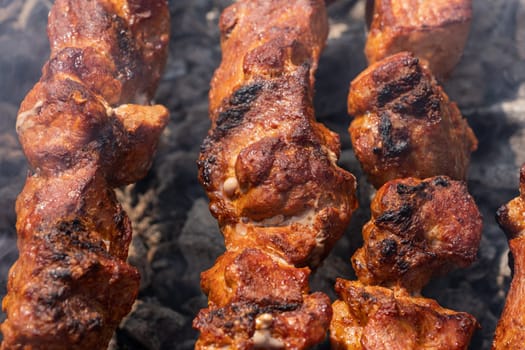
(271, 174)
(270, 171)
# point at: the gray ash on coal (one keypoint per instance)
(176, 237)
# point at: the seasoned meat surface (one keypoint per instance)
(257, 302)
(405, 129)
(85, 127)
(379, 318)
(404, 124)
(418, 229)
(510, 332)
(435, 31)
(271, 174)
(269, 168)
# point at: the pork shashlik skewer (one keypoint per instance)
(86, 127)
(271, 176)
(406, 127)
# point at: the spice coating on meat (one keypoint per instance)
(418, 229)
(510, 331)
(435, 31)
(378, 318)
(271, 174)
(83, 136)
(403, 120)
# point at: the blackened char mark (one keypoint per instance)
(424, 190)
(422, 102)
(441, 181)
(391, 148)
(419, 193)
(234, 110)
(391, 90)
(388, 247)
(251, 309)
(206, 166)
(246, 94)
(273, 308)
(230, 119)
(62, 242)
(239, 316)
(239, 103)
(400, 218)
(73, 233)
(71, 227)
(125, 51)
(403, 189)
(402, 266)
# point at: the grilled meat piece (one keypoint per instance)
(510, 332)
(269, 168)
(403, 120)
(418, 229)
(435, 31)
(378, 318)
(270, 173)
(256, 301)
(83, 136)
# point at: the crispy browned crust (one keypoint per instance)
(418, 229)
(256, 301)
(405, 124)
(435, 31)
(406, 129)
(378, 318)
(71, 285)
(270, 173)
(269, 168)
(510, 332)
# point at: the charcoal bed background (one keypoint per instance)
(176, 237)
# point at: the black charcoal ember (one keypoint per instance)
(201, 242)
(152, 326)
(13, 168)
(8, 254)
(176, 238)
(138, 257)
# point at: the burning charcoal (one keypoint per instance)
(142, 326)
